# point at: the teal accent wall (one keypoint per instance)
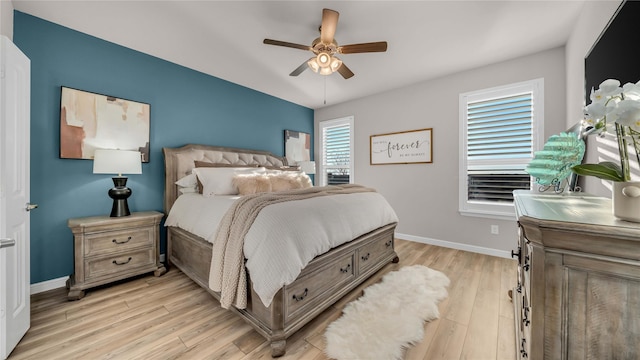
(186, 107)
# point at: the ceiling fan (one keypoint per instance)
(325, 47)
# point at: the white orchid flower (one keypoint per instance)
(598, 110)
(628, 114)
(614, 111)
(631, 91)
(609, 88)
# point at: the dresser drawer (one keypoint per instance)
(369, 253)
(118, 263)
(301, 295)
(116, 241)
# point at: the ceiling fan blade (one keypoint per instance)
(300, 69)
(286, 44)
(380, 46)
(345, 71)
(329, 24)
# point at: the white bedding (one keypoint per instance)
(199, 215)
(286, 236)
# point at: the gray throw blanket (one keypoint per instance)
(227, 274)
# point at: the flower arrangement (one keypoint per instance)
(616, 110)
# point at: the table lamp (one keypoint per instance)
(309, 167)
(107, 161)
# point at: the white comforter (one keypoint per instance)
(286, 236)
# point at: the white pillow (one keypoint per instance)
(187, 181)
(187, 184)
(219, 180)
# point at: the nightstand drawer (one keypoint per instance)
(114, 264)
(108, 243)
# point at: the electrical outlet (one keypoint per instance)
(495, 230)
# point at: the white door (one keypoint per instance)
(14, 196)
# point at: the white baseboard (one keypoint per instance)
(455, 245)
(49, 285)
(57, 283)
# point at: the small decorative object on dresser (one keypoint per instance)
(614, 113)
(578, 284)
(107, 249)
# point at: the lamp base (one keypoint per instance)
(119, 193)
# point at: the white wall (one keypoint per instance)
(425, 196)
(6, 18)
(592, 21)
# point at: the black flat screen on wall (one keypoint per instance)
(615, 54)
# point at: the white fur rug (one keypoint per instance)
(389, 316)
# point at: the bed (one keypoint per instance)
(323, 281)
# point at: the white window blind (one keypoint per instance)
(337, 151)
(498, 137)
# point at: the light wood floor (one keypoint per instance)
(170, 317)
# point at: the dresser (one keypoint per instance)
(578, 290)
(108, 249)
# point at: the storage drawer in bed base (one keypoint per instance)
(192, 255)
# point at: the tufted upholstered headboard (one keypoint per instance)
(179, 161)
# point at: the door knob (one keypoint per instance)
(4, 243)
(31, 206)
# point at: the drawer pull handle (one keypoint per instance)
(523, 352)
(346, 269)
(122, 263)
(365, 257)
(388, 243)
(526, 321)
(301, 297)
(515, 254)
(121, 242)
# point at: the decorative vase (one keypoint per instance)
(626, 200)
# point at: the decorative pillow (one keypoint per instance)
(187, 184)
(185, 190)
(289, 180)
(218, 180)
(252, 183)
(240, 168)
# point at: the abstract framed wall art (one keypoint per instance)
(405, 147)
(297, 146)
(90, 121)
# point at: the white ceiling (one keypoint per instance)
(427, 39)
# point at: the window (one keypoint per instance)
(499, 130)
(336, 149)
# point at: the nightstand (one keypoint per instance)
(108, 249)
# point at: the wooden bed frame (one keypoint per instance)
(325, 280)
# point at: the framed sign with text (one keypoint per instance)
(405, 147)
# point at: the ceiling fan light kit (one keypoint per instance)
(325, 47)
(324, 64)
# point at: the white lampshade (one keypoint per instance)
(107, 161)
(308, 167)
